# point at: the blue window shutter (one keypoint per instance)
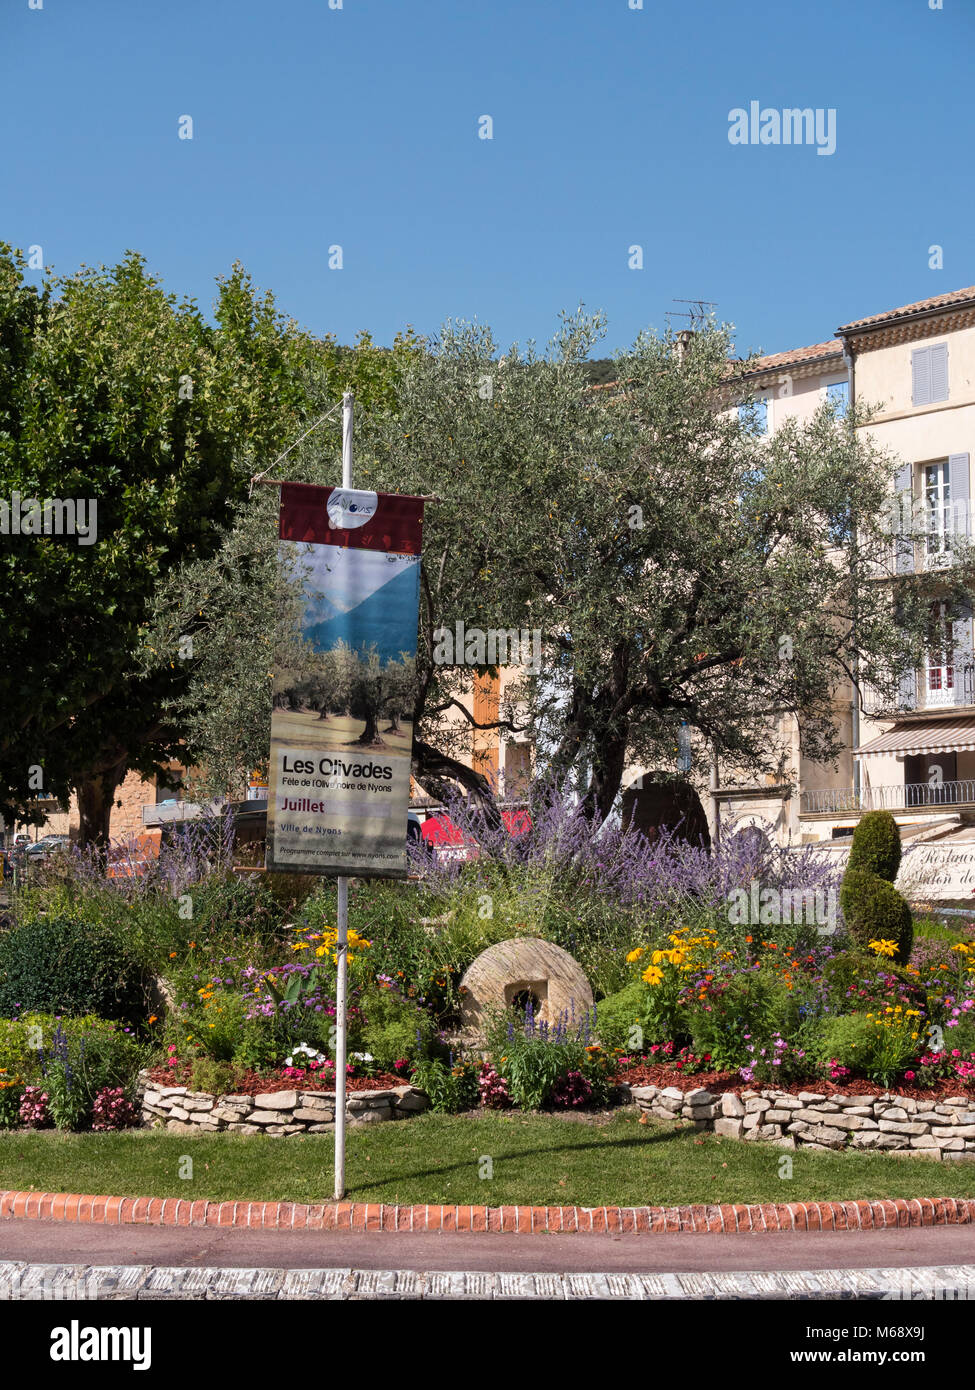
(839, 395)
(921, 376)
(961, 637)
(754, 414)
(907, 691)
(904, 547)
(938, 357)
(959, 484)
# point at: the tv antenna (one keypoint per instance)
(698, 316)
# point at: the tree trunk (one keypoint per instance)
(370, 734)
(606, 779)
(96, 797)
(393, 725)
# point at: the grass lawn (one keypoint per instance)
(537, 1159)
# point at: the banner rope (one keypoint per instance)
(260, 477)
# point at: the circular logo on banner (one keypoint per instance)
(348, 509)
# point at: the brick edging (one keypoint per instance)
(375, 1216)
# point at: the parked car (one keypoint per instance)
(446, 841)
(47, 845)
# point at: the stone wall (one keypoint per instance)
(276, 1112)
(940, 1129)
(126, 820)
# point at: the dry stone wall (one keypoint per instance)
(275, 1112)
(942, 1129)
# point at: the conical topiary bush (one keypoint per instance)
(872, 907)
(876, 845)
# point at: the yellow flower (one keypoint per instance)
(652, 975)
(300, 946)
(634, 955)
(884, 947)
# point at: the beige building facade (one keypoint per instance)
(915, 367)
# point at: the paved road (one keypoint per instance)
(64, 1243)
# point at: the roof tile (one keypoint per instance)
(937, 302)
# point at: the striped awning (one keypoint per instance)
(908, 740)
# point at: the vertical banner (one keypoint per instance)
(341, 722)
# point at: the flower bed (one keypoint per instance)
(899, 1124)
(280, 1112)
(253, 1084)
(630, 1075)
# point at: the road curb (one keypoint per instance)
(36, 1282)
(513, 1220)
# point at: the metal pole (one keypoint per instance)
(342, 923)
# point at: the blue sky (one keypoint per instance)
(359, 127)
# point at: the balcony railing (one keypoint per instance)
(904, 797)
(936, 687)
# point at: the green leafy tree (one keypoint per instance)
(678, 567)
(116, 392)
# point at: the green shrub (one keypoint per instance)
(536, 1069)
(216, 1029)
(859, 979)
(875, 911)
(392, 1027)
(750, 1011)
(876, 845)
(536, 1061)
(242, 904)
(216, 1078)
(11, 1092)
(67, 966)
(257, 1048)
(72, 1059)
(451, 1086)
(878, 1043)
(618, 1016)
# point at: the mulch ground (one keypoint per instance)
(660, 1074)
(718, 1082)
(254, 1085)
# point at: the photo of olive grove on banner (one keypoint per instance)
(341, 734)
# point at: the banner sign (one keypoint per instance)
(341, 733)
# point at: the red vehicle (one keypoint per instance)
(447, 841)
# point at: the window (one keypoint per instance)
(937, 506)
(838, 395)
(929, 374)
(754, 415)
(940, 673)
